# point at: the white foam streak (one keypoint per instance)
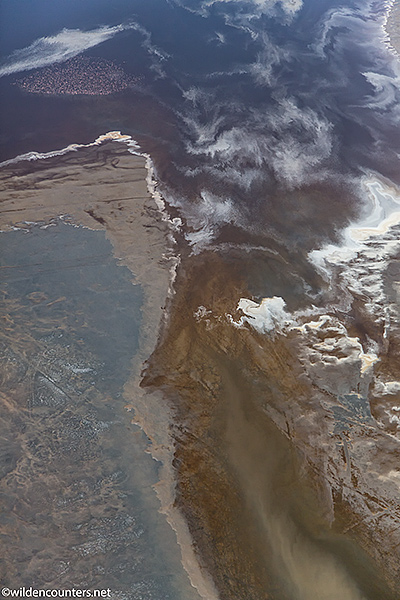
(111, 135)
(386, 89)
(158, 56)
(367, 21)
(268, 7)
(370, 240)
(389, 387)
(268, 59)
(205, 217)
(255, 8)
(336, 18)
(359, 263)
(57, 48)
(327, 351)
(336, 347)
(288, 140)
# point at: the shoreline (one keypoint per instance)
(81, 185)
(392, 27)
(80, 195)
(229, 386)
(190, 396)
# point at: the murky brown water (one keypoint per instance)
(256, 499)
(299, 550)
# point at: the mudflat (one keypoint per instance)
(79, 318)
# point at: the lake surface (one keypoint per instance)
(79, 509)
(274, 131)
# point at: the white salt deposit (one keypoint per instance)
(266, 316)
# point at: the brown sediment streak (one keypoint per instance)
(60, 185)
(263, 482)
(188, 369)
(243, 430)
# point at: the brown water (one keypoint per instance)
(258, 502)
(304, 558)
(78, 505)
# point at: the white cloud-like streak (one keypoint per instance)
(247, 10)
(289, 140)
(290, 7)
(57, 48)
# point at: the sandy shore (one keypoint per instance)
(393, 26)
(248, 454)
(103, 186)
(262, 476)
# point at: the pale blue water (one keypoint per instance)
(79, 509)
(261, 122)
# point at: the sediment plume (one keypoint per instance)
(271, 492)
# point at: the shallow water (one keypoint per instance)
(79, 509)
(262, 119)
(303, 557)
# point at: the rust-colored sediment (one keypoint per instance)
(186, 367)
